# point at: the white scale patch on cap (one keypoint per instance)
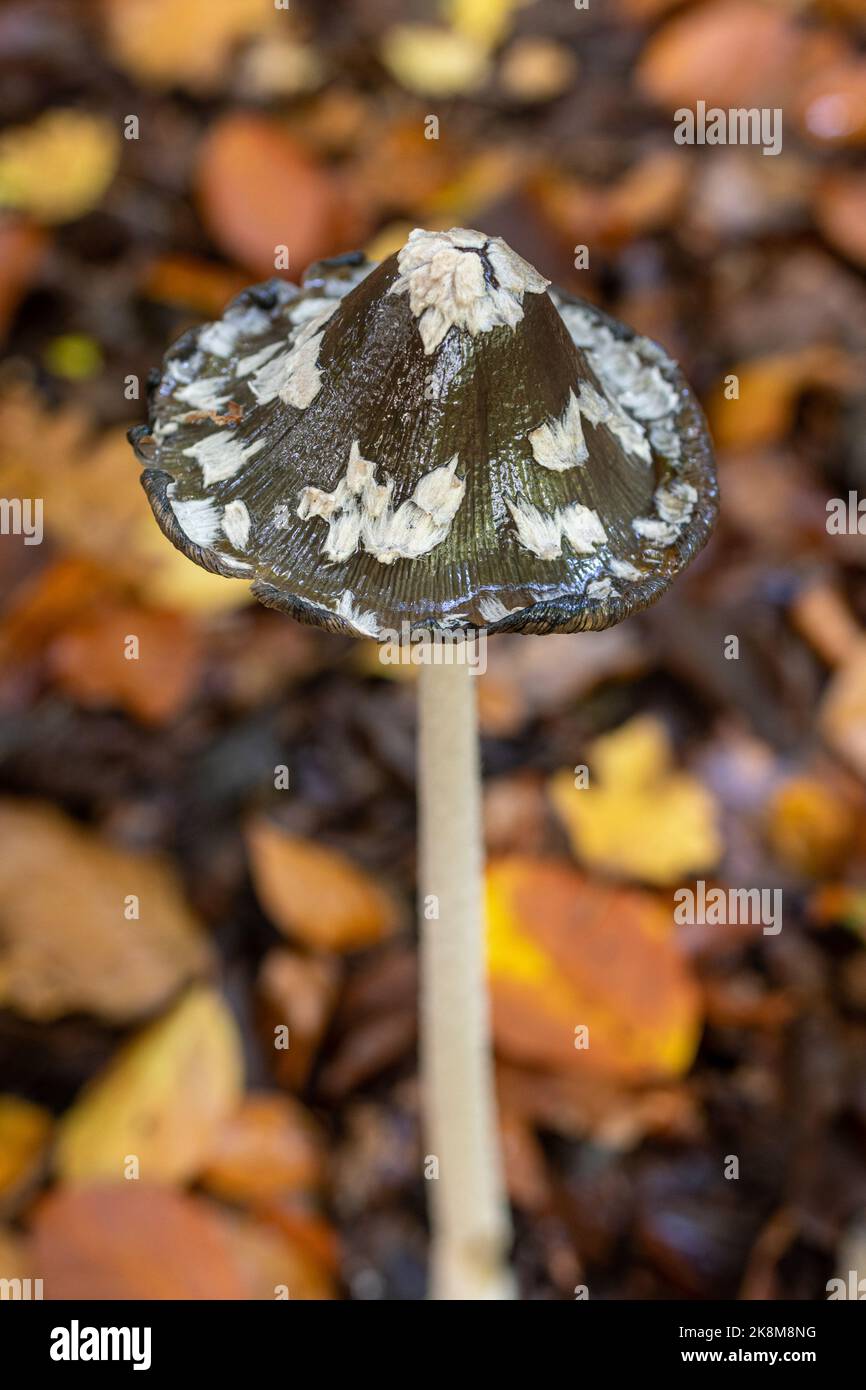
(364, 623)
(220, 338)
(559, 444)
(603, 410)
(674, 505)
(360, 512)
(542, 532)
(197, 517)
(255, 360)
(601, 589)
(236, 524)
(295, 375)
(636, 388)
(492, 608)
(624, 569)
(207, 394)
(220, 455)
(443, 274)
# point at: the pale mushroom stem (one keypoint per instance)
(470, 1224)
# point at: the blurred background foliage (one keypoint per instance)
(167, 905)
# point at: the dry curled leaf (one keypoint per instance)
(316, 895)
(162, 1100)
(638, 817)
(141, 660)
(566, 954)
(259, 190)
(134, 1241)
(58, 168)
(67, 941)
(269, 1147)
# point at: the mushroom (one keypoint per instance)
(437, 444)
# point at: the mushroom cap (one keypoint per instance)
(438, 441)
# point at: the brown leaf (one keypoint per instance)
(270, 1147)
(258, 190)
(65, 943)
(134, 1241)
(298, 993)
(162, 1100)
(566, 953)
(315, 894)
(91, 661)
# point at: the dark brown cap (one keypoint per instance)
(440, 440)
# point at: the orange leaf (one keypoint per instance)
(729, 53)
(769, 388)
(565, 953)
(92, 661)
(315, 894)
(258, 190)
(269, 1147)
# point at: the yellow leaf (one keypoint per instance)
(638, 817)
(24, 1131)
(433, 61)
(58, 168)
(162, 1100)
(485, 21)
(566, 954)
